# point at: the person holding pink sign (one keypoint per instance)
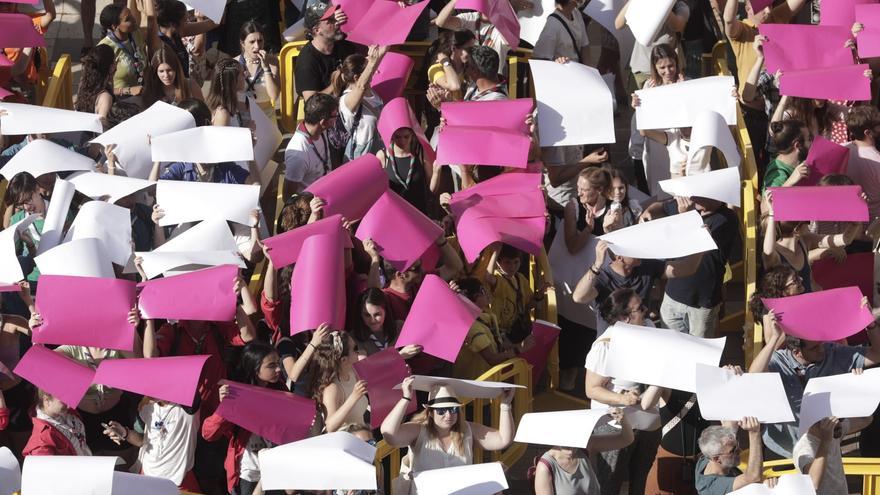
(411, 174)
(359, 106)
(374, 328)
(863, 123)
(792, 139)
(335, 384)
(476, 22)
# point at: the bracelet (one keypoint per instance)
(313, 346)
(446, 63)
(505, 407)
(127, 431)
(406, 398)
(594, 270)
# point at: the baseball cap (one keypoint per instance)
(317, 12)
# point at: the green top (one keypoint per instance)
(35, 229)
(777, 173)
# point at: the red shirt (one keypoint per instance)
(46, 440)
(398, 302)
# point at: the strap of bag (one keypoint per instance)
(574, 43)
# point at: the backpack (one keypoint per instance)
(531, 473)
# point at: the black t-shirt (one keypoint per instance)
(641, 280)
(313, 68)
(703, 288)
(682, 439)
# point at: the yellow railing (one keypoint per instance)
(59, 90)
(866, 467)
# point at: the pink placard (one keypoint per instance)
(824, 316)
(439, 320)
(501, 185)
(840, 12)
(508, 195)
(525, 234)
(174, 379)
(391, 76)
(471, 145)
(383, 23)
(5, 93)
(797, 47)
(821, 203)
(759, 5)
(55, 373)
(500, 14)
(857, 270)
(412, 234)
(832, 83)
(318, 285)
(868, 14)
(868, 42)
(382, 371)
(280, 417)
(18, 31)
(505, 114)
(71, 316)
(351, 189)
(545, 335)
(825, 157)
(9, 287)
(4, 61)
(283, 249)
(203, 295)
(397, 114)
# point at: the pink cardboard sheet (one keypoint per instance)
(397, 114)
(840, 12)
(55, 373)
(351, 189)
(545, 335)
(4, 61)
(283, 249)
(525, 234)
(318, 285)
(868, 42)
(472, 145)
(382, 371)
(174, 379)
(759, 5)
(9, 287)
(831, 83)
(5, 93)
(204, 295)
(439, 320)
(391, 76)
(71, 315)
(17, 31)
(505, 114)
(413, 233)
(824, 316)
(280, 417)
(383, 23)
(32, 2)
(857, 270)
(502, 185)
(825, 157)
(798, 47)
(500, 14)
(821, 203)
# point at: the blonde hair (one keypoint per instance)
(425, 417)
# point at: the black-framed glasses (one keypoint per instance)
(442, 411)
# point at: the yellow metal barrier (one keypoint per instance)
(866, 467)
(750, 263)
(59, 92)
(286, 66)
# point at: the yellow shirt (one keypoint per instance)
(483, 334)
(510, 299)
(742, 44)
(435, 72)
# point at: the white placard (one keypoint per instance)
(559, 428)
(56, 216)
(562, 120)
(668, 237)
(788, 484)
(334, 461)
(724, 396)
(34, 119)
(212, 9)
(156, 263)
(42, 156)
(108, 223)
(679, 105)
(474, 389)
(212, 234)
(710, 130)
(268, 136)
(67, 474)
(110, 188)
(661, 357)
(474, 479)
(194, 201)
(646, 17)
(79, 258)
(605, 12)
(139, 484)
(132, 136)
(532, 21)
(844, 396)
(208, 144)
(10, 268)
(567, 270)
(721, 185)
(296, 32)
(10, 472)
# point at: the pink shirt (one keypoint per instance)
(864, 170)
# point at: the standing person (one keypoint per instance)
(640, 60)
(226, 107)
(165, 80)
(792, 139)
(486, 33)
(863, 122)
(447, 59)
(131, 47)
(411, 174)
(173, 26)
(359, 106)
(262, 83)
(307, 156)
(95, 91)
(335, 385)
(374, 329)
(716, 472)
(564, 35)
(482, 72)
(324, 53)
(817, 453)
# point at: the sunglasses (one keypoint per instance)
(442, 411)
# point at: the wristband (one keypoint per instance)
(406, 398)
(446, 63)
(594, 270)
(505, 407)
(313, 346)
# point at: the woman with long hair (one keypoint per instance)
(447, 56)
(223, 99)
(335, 385)
(171, 17)
(95, 92)
(262, 83)
(374, 330)
(411, 174)
(359, 107)
(166, 81)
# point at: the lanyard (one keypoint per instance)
(131, 54)
(324, 159)
(394, 169)
(251, 81)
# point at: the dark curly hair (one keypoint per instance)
(96, 77)
(772, 285)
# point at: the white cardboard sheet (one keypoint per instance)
(724, 396)
(475, 479)
(335, 461)
(207, 144)
(267, 133)
(213, 9)
(844, 396)
(156, 263)
(194, 201)
(70, 475)
(679, 105)
(132, 137)
(562, 120)
(646, 17)
(107, 187)
(212, 234)
(42, 156)
(721, 185)
(788, 484)
(139, 484)
(664, 238)
(10, 269)
(34, 119)
(559, 428)
(531, 21)
(711, 131)
(79, 258)
(10, 472)
(605, 12)
(473, 389)
(56, 216)
(661, 357)
(108, 223)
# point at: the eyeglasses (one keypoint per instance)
(442, 411)
(735, 451)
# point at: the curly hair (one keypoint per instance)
(327, 360)
(96, 77)
(772, 285)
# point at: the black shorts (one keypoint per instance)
(574, 343)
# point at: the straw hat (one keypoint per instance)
(442, 396)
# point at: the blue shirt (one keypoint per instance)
(712, 484)
(224, 173)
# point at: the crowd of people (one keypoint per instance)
(156, 55)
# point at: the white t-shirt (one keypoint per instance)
(169, 441)
(833, 480)
(597, 362)
(365, 134)
(250, 462)
(554, 41)
(306, 161)
(487, 35)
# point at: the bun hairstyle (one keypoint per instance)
(786, 133)
(616, 305)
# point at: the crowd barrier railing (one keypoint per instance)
(866, 467)
(59, 89)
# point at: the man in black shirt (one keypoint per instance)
(324, 53)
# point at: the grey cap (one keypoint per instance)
(317, 12)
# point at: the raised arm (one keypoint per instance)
(575, 239)
(353, 99)
(445, 19)
(750, 90)
(338, 409)
(753, 472)
(732, 26)
(452, 264)
(585, 291)
(770, 256)
(774, 337)
(816, 468)
(491, 439)
(302, 363)
(620, 20)
(393, 430)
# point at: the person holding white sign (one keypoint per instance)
(817, 453)
(716, 472)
